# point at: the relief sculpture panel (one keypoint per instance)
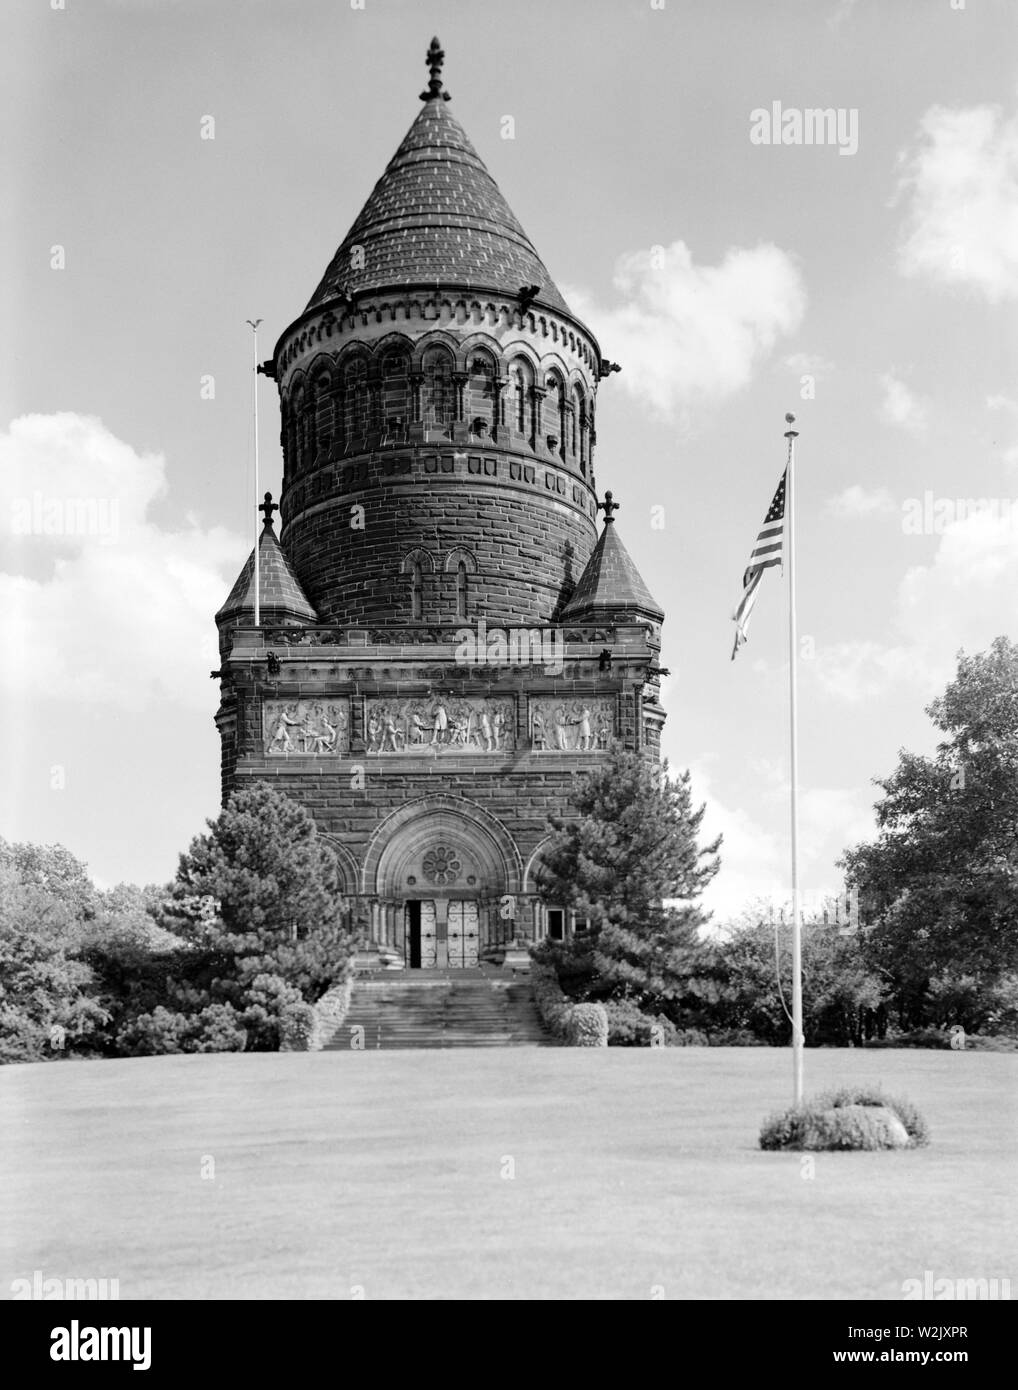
(572, 726)
(308, 728)
(431, 724)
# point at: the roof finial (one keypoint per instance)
(268, 507)
(434, 58)
(608, 507)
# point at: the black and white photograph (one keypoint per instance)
(509, 592)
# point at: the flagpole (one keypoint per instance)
(257, 533)
(793, 656)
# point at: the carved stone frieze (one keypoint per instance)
(572, 726)
(305, 728)
(431, 724)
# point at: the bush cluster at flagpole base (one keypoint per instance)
(855, 1117)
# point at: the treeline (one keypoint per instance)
(936, 942)
(250, 933)
(734, 990)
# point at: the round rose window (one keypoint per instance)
(441, 865)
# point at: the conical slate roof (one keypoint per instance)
(281, 593)
(611, 582)
(436, 216)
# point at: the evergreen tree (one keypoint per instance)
(258, 913)
(260, 893)
(632, 846)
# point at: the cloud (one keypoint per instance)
(808, 364)
(99, 603)
(964, 598)
(900, 407)
(752, 856)
(755, 860)
(858, 671)
(841, 15)
(830, 820)
(694, 334)
(858, 501)
(1009, 408)
(969, 594)
(961, 180)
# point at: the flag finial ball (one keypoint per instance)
(789, 419)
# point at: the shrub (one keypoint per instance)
(629, 1026)
(297, 1025)
(913, 1037)
(216, 1029)
(939, 1038)
(588, 1026)
(1002, 1015)
(552, 1004)
(160, 1032)
(837, 1120)
(265, 1002)
(990, 1042)
(576, 1025)
(329, 1013)
(735, 1037)
(689, 1037)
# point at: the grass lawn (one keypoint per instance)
(389, 1171)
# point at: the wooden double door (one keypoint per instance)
(440, 934)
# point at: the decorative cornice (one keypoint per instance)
(491, 297)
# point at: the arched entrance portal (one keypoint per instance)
(438, 871)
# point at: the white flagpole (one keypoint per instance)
(793, 656)
(257, 531)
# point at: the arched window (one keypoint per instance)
(438, 395)
(289, 441)
(395, 403)
(554, 421)
(416, 592)
(325, 410)
(296, 423)
(355, 398)
(480, 397)
(311, 420)
(520, 378)
(461, 589)
(579, 427)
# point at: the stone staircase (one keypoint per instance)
(440, 1008)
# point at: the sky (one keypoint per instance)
(865, 282)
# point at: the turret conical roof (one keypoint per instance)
(610, 584)
(436, 216)
(280, 592)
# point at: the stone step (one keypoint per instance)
(435, 1009)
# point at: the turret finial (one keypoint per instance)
(609, 507)
(267, 508)
(434, 58)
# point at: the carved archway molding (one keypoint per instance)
(348, 867)
(478, 838)
(533, 866)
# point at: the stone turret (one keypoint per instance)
(437, 380)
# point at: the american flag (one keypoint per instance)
(767, 551)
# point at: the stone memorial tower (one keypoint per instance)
(445, 640)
